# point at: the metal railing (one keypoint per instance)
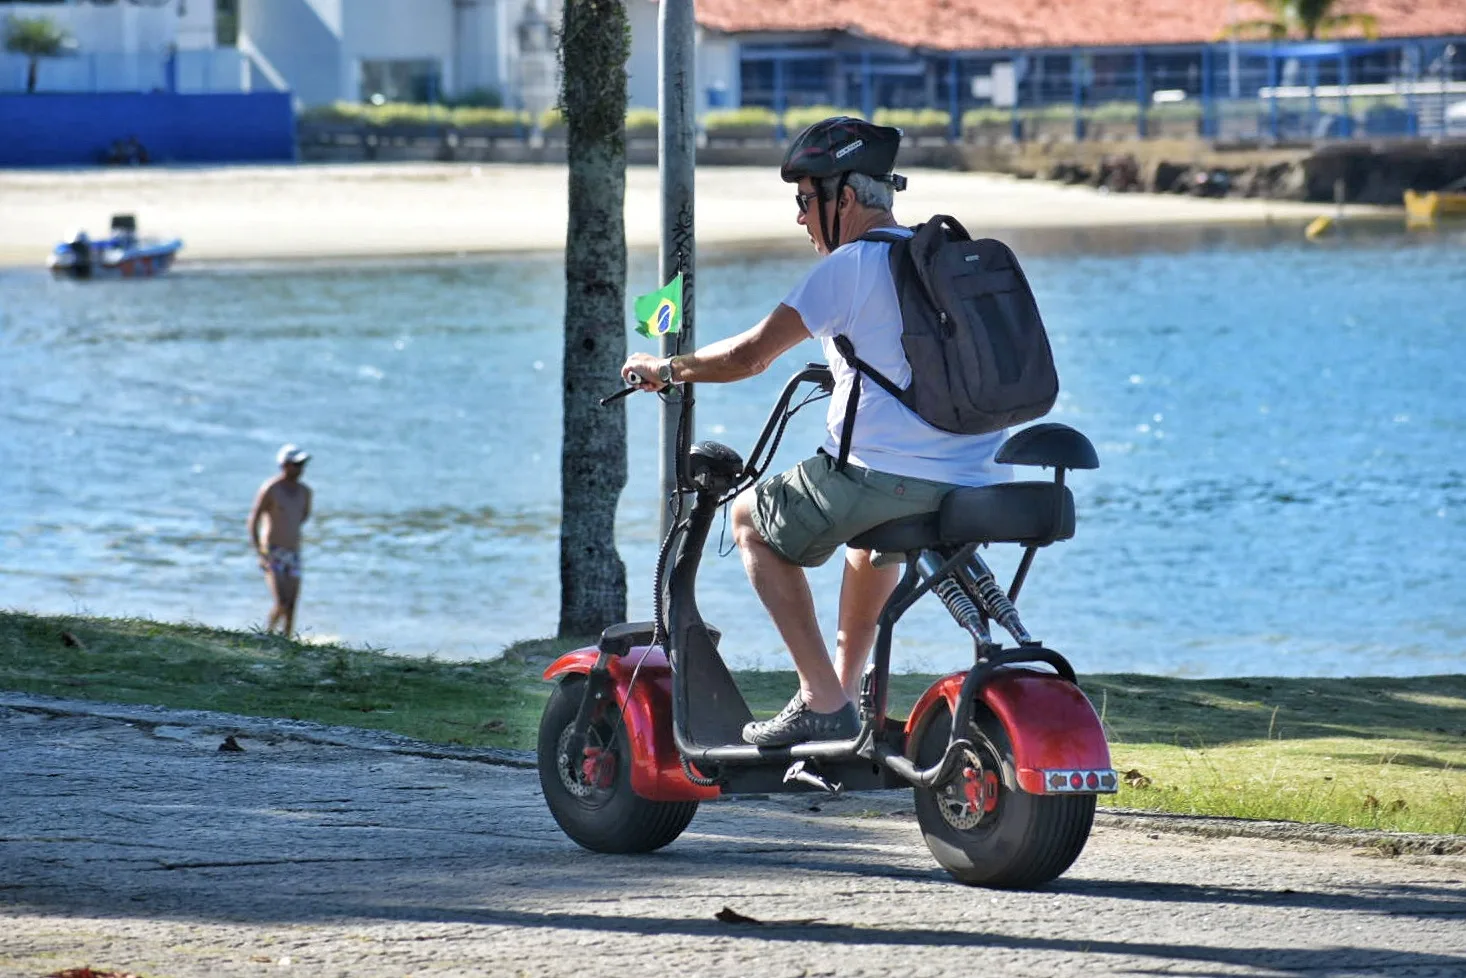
(1278, 92)
(187, 72)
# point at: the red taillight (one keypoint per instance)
(1092, 781)
(1076, 780)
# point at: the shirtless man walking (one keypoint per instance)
(283, 504)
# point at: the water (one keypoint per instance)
(1280, 427)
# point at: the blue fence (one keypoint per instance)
(189, 72)
(1225, 91)
(62, 129)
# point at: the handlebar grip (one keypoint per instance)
(633, 385)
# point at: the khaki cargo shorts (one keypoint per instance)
(808, 512)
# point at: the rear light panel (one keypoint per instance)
(1101, 781)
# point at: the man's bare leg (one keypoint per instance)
(863, 593)
(277, 614)
(784, 591)
(289, 594)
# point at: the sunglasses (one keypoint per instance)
(802, 200)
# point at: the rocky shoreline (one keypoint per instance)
(1347, 173)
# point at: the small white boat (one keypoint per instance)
(122, 254)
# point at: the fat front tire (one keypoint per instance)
(606, 816)
(1015, 840)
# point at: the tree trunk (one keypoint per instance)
(30, 75)
(594, 46)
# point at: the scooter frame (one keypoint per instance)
(683, 711)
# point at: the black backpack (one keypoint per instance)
(970, 328)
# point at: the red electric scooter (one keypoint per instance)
(1006, 758)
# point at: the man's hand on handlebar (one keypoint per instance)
(643, 371)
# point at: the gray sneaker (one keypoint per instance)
(797, 723)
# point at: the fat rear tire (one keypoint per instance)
(1025, 841)
(613, 819)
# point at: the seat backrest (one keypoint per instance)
(1051, 444)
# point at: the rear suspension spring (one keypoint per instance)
(961, 606)
(999, 607)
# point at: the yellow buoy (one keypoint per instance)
(1319, 225)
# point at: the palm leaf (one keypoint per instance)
(1367, 24)
(35, 37)
(1271, 29)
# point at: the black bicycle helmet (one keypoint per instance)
(841, 144)
(837, 147)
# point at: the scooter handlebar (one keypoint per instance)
(633, 384)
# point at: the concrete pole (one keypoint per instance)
(676, 158)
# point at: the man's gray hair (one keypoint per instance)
(869, 191)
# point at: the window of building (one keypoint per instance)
(226, 23)
(411, 80)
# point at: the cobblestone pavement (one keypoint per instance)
(143, 848)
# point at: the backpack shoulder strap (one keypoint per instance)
(900, 261)
(847, 350)
(889, 235)
(847, 427)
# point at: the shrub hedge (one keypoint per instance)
(756, 120)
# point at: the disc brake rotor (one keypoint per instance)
(970, 796)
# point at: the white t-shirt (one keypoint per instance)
(851, 292)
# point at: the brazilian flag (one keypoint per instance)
(660, 312)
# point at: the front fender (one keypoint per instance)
(1053, 729)
(646, 711)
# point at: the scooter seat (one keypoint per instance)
(1010, 512)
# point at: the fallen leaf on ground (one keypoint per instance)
(730, 916)
(231, 746)
(1136, 780)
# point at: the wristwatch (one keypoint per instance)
(664, 371)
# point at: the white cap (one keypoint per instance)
(292, 454)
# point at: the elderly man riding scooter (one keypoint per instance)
(894, 463)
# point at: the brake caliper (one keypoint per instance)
(980, 789)
(598, 767)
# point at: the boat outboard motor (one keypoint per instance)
(81, 254)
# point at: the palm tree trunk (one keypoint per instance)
(30, 75)
(594, 46)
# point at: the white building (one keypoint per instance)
(423, 50)
(129, 47)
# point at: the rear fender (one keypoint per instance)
(1054, 730)
(646, 710)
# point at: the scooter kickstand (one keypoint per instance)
(798, 772)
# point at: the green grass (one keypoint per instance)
(494, 703)
(1385, 753)
(1369, 753)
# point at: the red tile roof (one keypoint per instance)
(957, 25)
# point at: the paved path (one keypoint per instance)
(144, 848)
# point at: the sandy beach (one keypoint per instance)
(376, 210)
